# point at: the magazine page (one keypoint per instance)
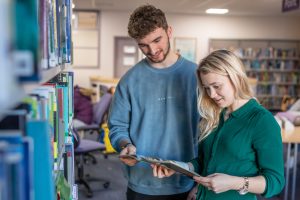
(177, 166)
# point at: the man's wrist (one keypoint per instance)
(126, 145)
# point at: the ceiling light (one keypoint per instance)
(216, 11)
(73, 5)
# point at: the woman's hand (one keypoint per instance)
(218, 182)
(129, 150)
(161, 172)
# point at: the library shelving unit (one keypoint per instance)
(275, 64)
(36, 100)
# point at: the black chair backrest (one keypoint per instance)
(76, 137)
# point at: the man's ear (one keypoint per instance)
(170, 31)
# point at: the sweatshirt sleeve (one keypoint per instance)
(268, 145)
(119, 117)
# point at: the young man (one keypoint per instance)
(154, 110)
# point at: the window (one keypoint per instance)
(85, 39)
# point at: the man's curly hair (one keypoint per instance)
(144, 20)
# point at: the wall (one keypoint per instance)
(114, 24)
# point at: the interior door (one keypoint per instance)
(126, 55)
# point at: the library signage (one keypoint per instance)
(288, 5)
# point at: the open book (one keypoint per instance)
(171, 164)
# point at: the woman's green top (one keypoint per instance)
(247, 144)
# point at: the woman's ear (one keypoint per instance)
(198, 74)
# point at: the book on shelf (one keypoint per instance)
(52, 35)
(69, 164)
(26, 47)
(59, 15)
(43, 32)
(14, 120)
(5, 163)
(71, 94)
(17, 160)
(50, 117)
(43, 160)
(177, 166)
(68, 35)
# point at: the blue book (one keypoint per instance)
(68, 31)
(43, 163)
(19, 168)
(28, 167)
(4, 170)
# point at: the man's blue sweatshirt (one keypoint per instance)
(156, 110)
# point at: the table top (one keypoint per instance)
(291, 136)
(104, 79)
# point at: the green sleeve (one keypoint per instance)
(267, 143)
(196, 162)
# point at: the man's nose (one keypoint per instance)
(153, 49)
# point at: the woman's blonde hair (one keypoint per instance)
(226, 63)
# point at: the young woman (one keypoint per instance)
(240, 146)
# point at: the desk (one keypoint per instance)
(96, 81)
(291, 137)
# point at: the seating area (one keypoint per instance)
(88, 138)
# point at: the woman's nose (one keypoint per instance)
(212, 93)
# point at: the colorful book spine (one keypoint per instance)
(43, 27)
(43, 162)
(26, 46)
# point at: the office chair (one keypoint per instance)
(84, 147)
(100, 110)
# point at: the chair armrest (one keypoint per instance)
(92, 127)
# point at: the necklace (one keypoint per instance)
(226, 114)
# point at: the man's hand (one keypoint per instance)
(161, 172)
(193, 193)
(128, 150)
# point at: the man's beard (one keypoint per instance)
(165, 55)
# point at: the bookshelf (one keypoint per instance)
(275, 64)
(36, 100)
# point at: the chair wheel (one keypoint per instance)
(89, 194)
(106, 185)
